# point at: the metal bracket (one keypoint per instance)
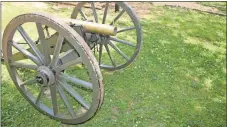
(79, 29)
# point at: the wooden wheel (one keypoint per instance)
(65, 84)
(112, 52)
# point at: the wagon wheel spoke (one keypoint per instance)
(30, 81)
(77, 81)
(105, 13)
(24, 65)
(65, 100)
(74, 94)
(57, 51)
(126, 29)
(109, 54)
(39, 95)
(26, 53)
(83, 15)
(94, 12)
(118, 50)
(54, 98)
(30, 42)
(43, 43)
(117, 17)
(100, 53)
(122, 41)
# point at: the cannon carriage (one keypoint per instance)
(56, 67)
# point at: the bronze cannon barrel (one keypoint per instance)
(94, 27)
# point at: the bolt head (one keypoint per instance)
(39, 79)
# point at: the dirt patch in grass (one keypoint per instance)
(142, 9)
(191, 6)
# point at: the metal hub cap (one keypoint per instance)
(45, 76)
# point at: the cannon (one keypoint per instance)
(55, 62)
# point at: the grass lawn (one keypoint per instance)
(178, 79)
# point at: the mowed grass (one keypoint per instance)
(178, 79)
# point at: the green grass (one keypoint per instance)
(178, 79)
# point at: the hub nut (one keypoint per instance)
(45, 76)
(39, 79)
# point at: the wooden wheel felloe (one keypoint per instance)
(112, 52)
(63, 83)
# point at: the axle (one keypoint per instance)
(93, 27)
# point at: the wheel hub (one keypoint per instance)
(45, 76)
(103, 39)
